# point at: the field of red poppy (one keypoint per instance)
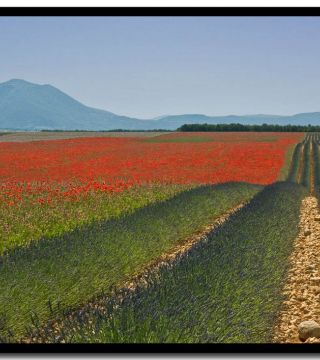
(72, 168)
(60, 197)
(49, 187)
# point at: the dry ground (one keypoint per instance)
(302, 289)
(35, 136)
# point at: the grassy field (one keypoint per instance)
(305, 166)
(294, 168)
(69, 270)
(227, 289)
(30, 222)
(52, 135)
(184, 137)
(316, 157)
(67, 184)
(305, 175)
(285, 171)
(82, 217)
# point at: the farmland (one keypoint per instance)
(84, 216)
(55, 135)
(227, 298)
(70, 183)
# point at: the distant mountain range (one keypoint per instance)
(28, 106)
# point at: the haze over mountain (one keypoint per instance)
(28, 106)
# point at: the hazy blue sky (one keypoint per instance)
(146, 67)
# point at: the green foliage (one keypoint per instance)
(29, 222)
(228, 289)
(305, 176)
(69, 270)
(285, 171)
(316, 158)
(293, 174)
(241, 127)
(305, 167)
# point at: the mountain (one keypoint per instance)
(28, 106)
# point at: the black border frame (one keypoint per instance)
(160, 11)
(160, 348)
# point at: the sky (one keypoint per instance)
(147, 67)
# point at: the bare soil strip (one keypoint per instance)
(138, 281)
(38, 136)
(302, 289)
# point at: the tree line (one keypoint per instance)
(241, 127)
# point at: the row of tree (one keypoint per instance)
(241, 127)
(218, 127)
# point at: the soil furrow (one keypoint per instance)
(137, 282)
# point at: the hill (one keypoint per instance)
(28, 106)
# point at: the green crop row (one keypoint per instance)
(28, 222)
(228, 289)
(293, 173)
(287, 165)
(67, 271)
(305, 176)
(305, 167)
(316, 167)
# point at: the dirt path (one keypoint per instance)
(302, 289)
(53, 327)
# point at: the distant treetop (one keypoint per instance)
(240, 127)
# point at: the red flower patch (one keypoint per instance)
(72, 168)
